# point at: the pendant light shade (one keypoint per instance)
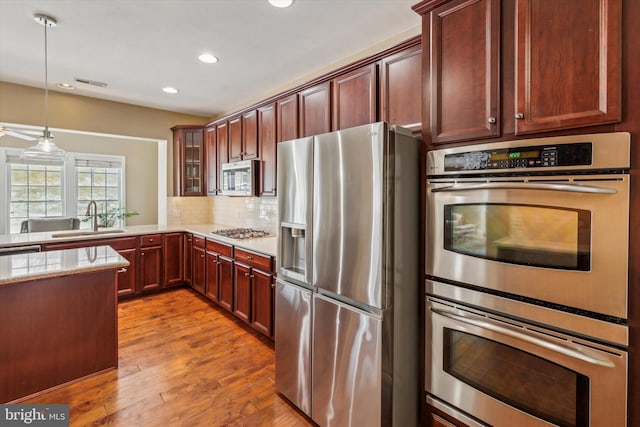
(45, 149)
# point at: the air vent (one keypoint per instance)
(89, 82)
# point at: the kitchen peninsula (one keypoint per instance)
(58, 318)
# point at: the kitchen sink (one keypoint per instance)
(86, 233)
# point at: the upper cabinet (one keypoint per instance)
(464, 70)
(188, 161)
(315, 109)
(287, 118)
(267, 142)
(235, 139)
(211, 152)
(355, 97)
(401, 88)
(544, 65)
(568, 64)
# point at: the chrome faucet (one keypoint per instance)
(95, 214)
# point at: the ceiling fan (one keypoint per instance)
(20, 133)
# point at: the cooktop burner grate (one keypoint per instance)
(242, 233)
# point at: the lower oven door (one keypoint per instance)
(509, 373)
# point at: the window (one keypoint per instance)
(37, 190)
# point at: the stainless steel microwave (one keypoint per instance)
(239, 178)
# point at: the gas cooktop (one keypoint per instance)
(242, 233)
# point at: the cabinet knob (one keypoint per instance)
(201, 256)
(249, 257)
(142, 254)
(251, 276)
(246, 274)
(491, 120)
(519, 116)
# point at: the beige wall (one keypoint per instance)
(25, 105)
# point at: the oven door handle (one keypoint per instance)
(575, 352)
(573, 188)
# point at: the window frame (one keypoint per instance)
(69, 181)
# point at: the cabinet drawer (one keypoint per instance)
(198, 242)
(262, 262)
(150, 240)
(120, 244)
(221, 248)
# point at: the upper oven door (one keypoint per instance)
(557, 239)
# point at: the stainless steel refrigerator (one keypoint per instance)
(347, 296)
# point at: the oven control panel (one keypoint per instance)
(541, 156)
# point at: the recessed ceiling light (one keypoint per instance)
(170, 89)
(281, 3)
(66, 86)
(208, 58)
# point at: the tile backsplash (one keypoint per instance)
(254, 212)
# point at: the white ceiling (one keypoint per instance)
(139, 46)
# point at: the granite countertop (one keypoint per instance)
(43, 265)
(264, 245)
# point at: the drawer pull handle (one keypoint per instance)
(122, 270)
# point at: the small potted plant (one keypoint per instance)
(110, 217)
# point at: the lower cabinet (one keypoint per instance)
(262, 298)
(198, 280)
(225, 282)
(436, 418)
(187, 258)
(127, 276)
(242, 296)
(150, 268)
(172, 257)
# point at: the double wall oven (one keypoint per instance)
(527, 266)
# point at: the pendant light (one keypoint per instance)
(45, 149)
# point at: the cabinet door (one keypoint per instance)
(211, 289)
(464, 69)
(199, 277)
(401, 88)
(173, 259)
(568, 58)
(315, 107)
(262, 302)
(436, 418)
(242, 291)
(211, 164)
(267, 143)
(188, 161)
(222, 139)
(249, 135)
(150, 267)
(235, 139)
(225, 283)
(127, 278)
(188, 257)
(287, 118)
(354, 97)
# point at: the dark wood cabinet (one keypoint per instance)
(187, 245)
(212, 277)
(287, 118)
(568, 64)
(314, 106)
(235, 138)
(150, 268)
(254, 295)
(242, 291)
(188, 161)
(267, 143)
(262, 302)
(249, 135)
(400, 88)
(436, 418)
(215, 250)
(225, 282)
(173, 259)
(211, 155)
(464, 71)
(127, 276)
(354, 100)
(222, 141)
(198, 281)
(547, 66)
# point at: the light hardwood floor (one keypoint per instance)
(182, 362)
